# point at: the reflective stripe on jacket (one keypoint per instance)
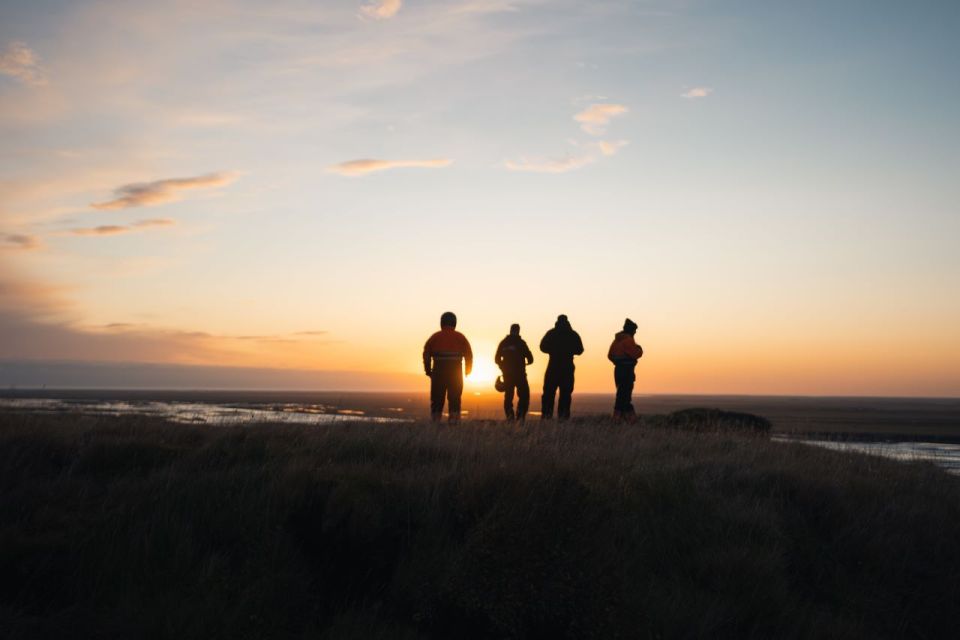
(447, 345)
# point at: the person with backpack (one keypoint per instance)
(624, 353)
(512, 356)
(561, 343)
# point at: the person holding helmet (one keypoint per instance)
(562, 343)
(444, 356)
(624, 353)
(513, 355)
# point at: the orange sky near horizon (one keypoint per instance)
(769, 192)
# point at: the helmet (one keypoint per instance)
(498, 385)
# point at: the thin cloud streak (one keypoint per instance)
(144, 194)
(19, 242)
(382, 10)
(116, 229)
(595, 118)
(19, 61)
(557, 165)
(369, 165)
(697, 92)
(610, 148)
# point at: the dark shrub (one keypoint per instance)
(708, 420)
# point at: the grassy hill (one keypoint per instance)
(141, 529)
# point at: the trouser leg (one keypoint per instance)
(549, 394)
(438, 390)
(624, 376)
(523, 397)
(618, 381)
(566, 393)
(508, 399)
(454, 391)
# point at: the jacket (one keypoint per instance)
(513, 355)
(562, 343)
(447, 345)
(624, 349)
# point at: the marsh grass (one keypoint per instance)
(137, 528)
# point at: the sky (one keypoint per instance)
(768, 188)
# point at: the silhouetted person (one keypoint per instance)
(513, 355)
(624, 353)
(443, 358)
(562, 343)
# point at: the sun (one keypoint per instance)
(484, 373)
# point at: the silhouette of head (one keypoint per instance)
(448, 319)
(562, 321)
(630, 326)
(514, 329)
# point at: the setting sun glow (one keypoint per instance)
(484, 373)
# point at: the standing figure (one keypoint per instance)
(624, 353)
(562, 343)
(513, 355)
(443, 358)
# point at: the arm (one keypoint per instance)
(545, 345)
(467, 356)
(498, 356)
(427, 351)
(578, 344)
(637, 350)
(526, 354)
(610, 355)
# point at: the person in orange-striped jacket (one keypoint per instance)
(624, 353)
(444, 357)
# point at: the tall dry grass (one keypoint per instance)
(136, 528)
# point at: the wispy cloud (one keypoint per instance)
(595, 118)
(555, 165)
(19, 242)
(485, 6)
(610, 148)
(697, 92)
(19, 61)
(142, 194)
(102, 230)
(369, 165)
(381, 9)
(118, 229)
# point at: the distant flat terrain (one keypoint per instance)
(895, 418)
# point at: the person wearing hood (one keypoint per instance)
(561, 343)
(513, 355)
(445, 355)
(624, 353)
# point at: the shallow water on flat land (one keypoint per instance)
(195, 412)
(943, 454)
(908, 428)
